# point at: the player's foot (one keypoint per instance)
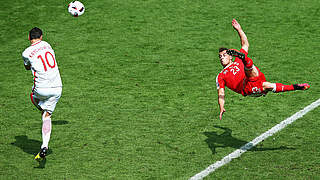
(304, 86)
(236, 53)
(42, 154)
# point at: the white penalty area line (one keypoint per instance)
(237, 153)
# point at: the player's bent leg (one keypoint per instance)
(35, 101)
(248, 63)
(250, 69)
(236, 53)
(251, 73)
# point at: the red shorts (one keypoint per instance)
(253, 85)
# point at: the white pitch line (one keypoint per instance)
(237, 153)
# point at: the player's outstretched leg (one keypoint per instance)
(279, 87)
(42, 154)
(282, 88)
(304, 86)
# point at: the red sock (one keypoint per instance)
(248, 63)
(282, 88)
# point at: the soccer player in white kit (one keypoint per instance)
(47, 86)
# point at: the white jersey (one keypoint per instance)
(43, 63)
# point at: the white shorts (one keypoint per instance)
(46, 98)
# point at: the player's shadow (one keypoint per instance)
(30, 146)
(60, 122)
(225, 139)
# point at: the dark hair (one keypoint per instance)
(222, 49)
(35, 33)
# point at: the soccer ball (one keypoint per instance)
(76, 8)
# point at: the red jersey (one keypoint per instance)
(232, 76)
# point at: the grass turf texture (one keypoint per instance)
(139, 98)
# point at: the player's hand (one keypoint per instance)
(236, 25)
(221, 113)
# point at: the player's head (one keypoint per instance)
(35, 33)
(225, 59)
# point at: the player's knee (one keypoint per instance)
(267, 86)
(253, 72)
(46, 114)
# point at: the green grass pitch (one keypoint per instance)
(139, 97)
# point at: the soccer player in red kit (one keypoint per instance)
(242, 77)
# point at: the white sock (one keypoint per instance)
(46, 131)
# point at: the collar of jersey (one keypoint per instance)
(228, 65)
(36, 43)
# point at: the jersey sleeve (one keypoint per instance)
(25, 58)
(219, 81)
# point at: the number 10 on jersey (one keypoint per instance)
(46, 61)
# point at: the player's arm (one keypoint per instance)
(242, 35)
(221, 101)
(26, 62)
(28, 67)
